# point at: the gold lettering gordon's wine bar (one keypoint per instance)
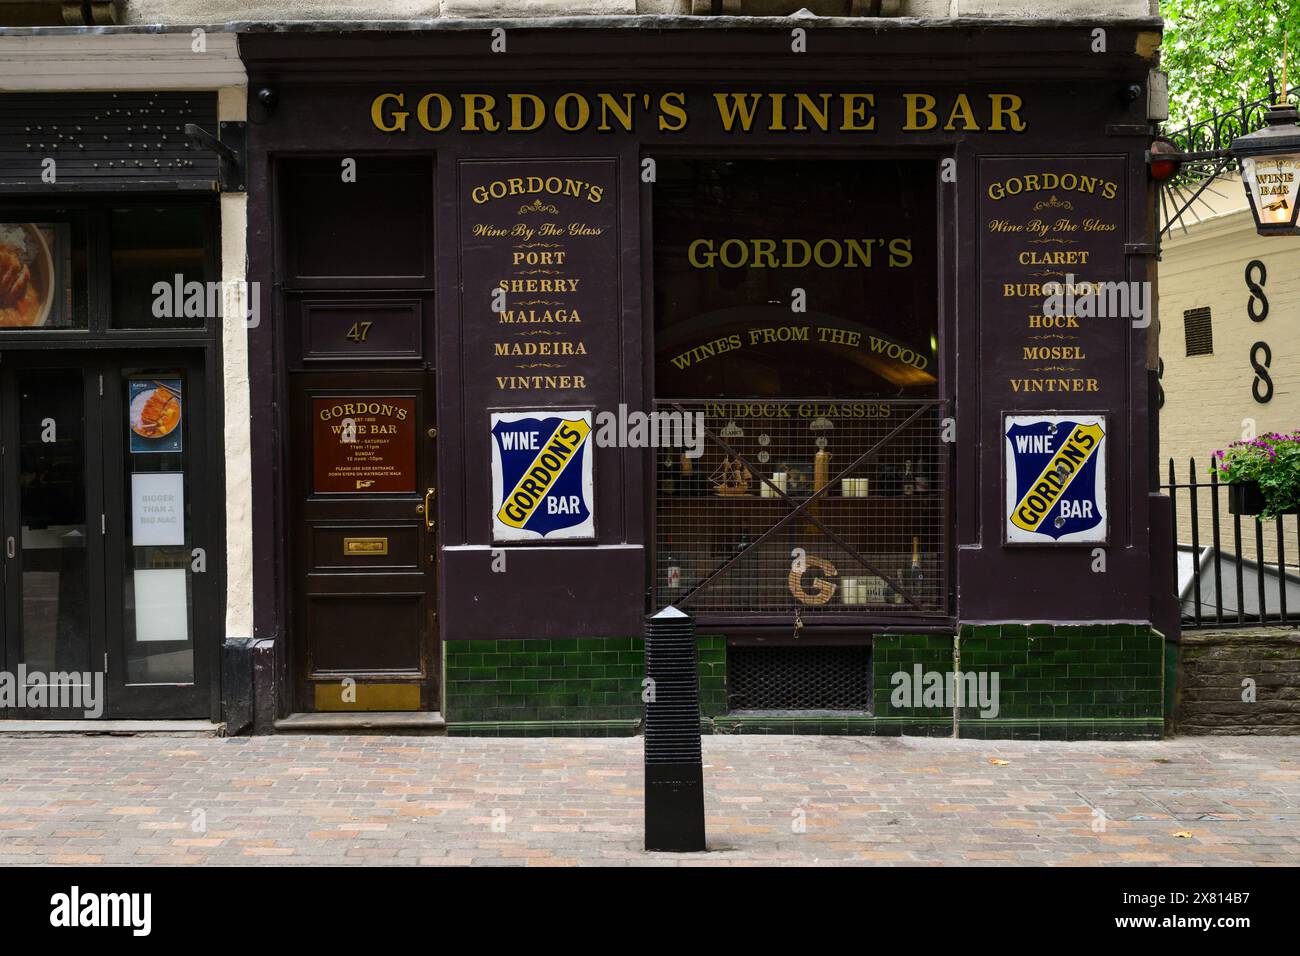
(539, 261)
(1049, 224)
(672, 112)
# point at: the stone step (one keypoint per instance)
(122, 728)
(363, 722)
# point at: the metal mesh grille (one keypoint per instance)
(743, 530)
(799, 678)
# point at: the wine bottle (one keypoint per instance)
(914, 577)
(668, 476)
(672, 571)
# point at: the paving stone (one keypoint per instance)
(770, 799)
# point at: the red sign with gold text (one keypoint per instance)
(363, 445)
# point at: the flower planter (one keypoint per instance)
(1247, 498)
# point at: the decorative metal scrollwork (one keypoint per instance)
(1180, 194)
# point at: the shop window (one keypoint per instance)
(161, 272)
(796, 316)
(43, 273)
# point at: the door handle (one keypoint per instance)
(9, 547)
(427, 509)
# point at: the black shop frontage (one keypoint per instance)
(111, 407)
(794, 329)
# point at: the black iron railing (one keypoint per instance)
(1217, 132)
(1232, 569)
(800, 509)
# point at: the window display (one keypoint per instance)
(796, 311)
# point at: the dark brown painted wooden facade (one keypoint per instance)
(1077, 106)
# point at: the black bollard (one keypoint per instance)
(674, 765)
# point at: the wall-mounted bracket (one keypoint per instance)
(232, 148)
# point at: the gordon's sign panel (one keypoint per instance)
(539, 255)
(1055, 295)
(542, 476)
(1055, 479)
(363, 445)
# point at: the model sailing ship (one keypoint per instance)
(731, 478)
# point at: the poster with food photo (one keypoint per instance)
(155, 409)
(30, 274)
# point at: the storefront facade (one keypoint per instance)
(817, 251)
(113, 377)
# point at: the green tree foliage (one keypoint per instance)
(1218, 51)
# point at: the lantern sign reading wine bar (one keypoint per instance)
(1268, 158)
(1270, 166)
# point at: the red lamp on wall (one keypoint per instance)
(1164, 159)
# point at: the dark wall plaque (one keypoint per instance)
(1045, 221)
(363, 445)
(369, 328)
(539, 271)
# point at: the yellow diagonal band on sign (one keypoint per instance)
(538, 478)
(1050, 486)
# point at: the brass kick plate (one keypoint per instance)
(359, 546)
(363, 696)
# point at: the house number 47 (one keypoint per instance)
(359, 331)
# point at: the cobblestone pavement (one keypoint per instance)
(770, 800)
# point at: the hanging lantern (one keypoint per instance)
(1270, 169)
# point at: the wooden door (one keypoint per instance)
(365, 541)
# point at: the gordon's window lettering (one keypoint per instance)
(839, 300)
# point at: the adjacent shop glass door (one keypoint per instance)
(53, 638)
(106, 568)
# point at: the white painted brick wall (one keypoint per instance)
(1208, 397)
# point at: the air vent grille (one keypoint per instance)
(1199, 331)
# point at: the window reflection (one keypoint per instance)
(153, 245)
(42, 275)
(52, 504)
